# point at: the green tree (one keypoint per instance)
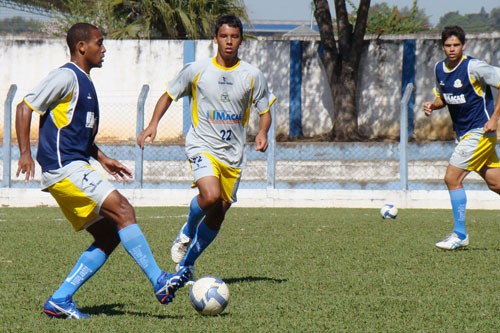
(49, 4)
(494, 19)
(15, 25)
(383, 19)
(476, 22)
(178, 19)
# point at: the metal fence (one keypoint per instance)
(403, 165)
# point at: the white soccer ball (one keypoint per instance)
(389, 211)
(209, 295)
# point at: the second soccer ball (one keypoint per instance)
(389, 211)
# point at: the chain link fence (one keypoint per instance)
(388, 165)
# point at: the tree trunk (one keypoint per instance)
(341, 63)
(345, 116)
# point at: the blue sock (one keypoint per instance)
(458, 203)
(137, 246)
(204, 236)
(87, 265)
(194, 218)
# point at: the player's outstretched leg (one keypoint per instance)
(204, 237)
(60, 304)
(180, 246)
(63, 309)
(169, 283)
(190, 273)
(187, 232)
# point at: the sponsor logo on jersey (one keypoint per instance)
(225, 81)
(222, 117)
(454, 99)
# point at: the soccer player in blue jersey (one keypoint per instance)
(222, 90)
(67, 103)
(463, 85)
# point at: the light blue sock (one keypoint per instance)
(458, 203)
(137, 246)
(87, 265)
(194, 218)
(204, 236)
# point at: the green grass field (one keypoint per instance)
(288, 270)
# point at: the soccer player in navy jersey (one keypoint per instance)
(463, 85)
(67, 103)
(223, 90)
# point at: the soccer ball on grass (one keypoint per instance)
(209, 295)
(389, 211)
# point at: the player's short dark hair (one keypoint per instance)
(452, 30)
(77, 33)
(230, 20)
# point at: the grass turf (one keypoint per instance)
(288, 270)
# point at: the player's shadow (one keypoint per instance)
(107, 309)
(470, 249)
(253, 279)
(479, 249)
(115, 309)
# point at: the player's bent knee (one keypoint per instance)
(119, 209)
(105, 235)
(494, 187)
(210, 199)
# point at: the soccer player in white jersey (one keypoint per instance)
(222, 90)
(463, 85)
(67, 102)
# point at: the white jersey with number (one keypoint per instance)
(221, 99)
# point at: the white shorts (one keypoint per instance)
(80, 191)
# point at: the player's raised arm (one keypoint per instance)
(160, 109)
(431, 106)
(115, 168)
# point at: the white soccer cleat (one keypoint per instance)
(180, 247)
(452, 242)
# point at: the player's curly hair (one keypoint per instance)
(452, 30)
(77, 33)
(230, 20)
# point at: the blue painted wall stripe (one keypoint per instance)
(408, 75)
(295, 89)
(189, 56)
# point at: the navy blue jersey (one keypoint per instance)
(67, 102)
(468, 97)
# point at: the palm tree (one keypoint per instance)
(179, 19)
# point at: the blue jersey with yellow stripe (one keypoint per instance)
(67, 101)
(469, 100)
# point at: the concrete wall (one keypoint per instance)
(487, 200)
(129, 64)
